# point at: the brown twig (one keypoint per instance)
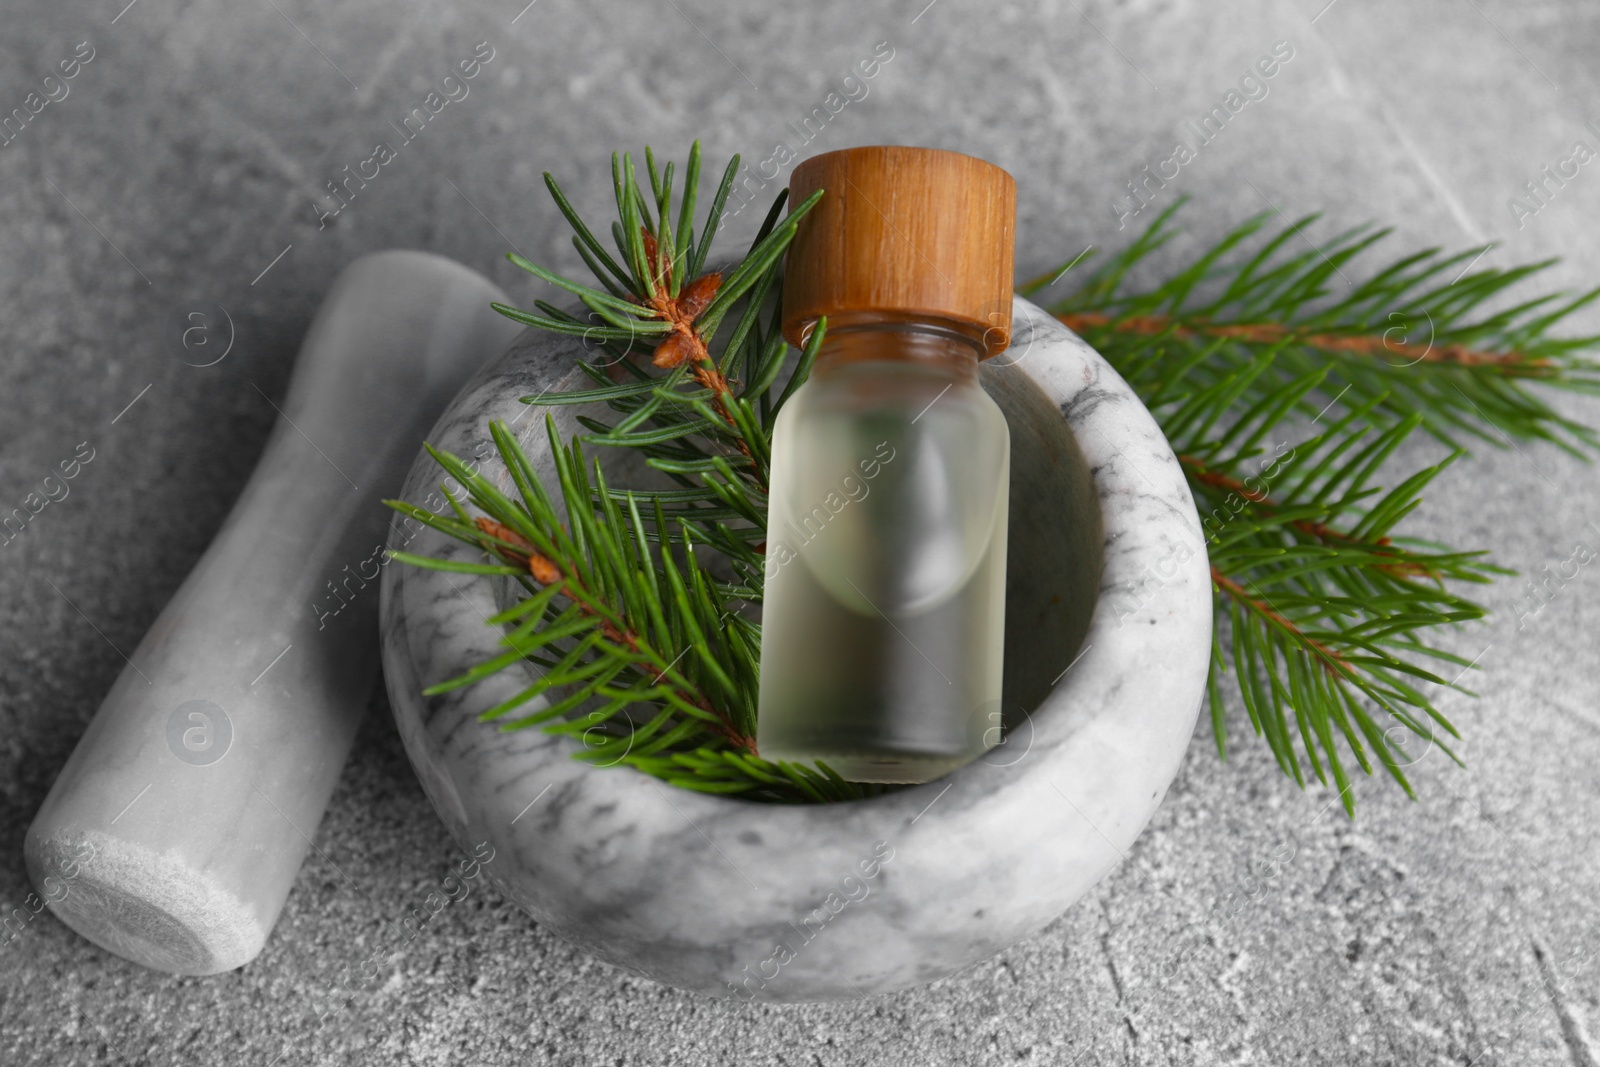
(546, 572)
(1322, 532)
(684, 344)
(1332, 662)
(1275, 333)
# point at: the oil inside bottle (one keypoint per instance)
(886, 557)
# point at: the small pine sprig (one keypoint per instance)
(643, 655)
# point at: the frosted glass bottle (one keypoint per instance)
(883, 622)
(883, 618)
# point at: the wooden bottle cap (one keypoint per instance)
(918, 232)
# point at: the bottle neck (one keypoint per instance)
(867, 336)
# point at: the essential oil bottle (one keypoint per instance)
(883, 622)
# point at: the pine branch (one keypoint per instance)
(1414, 334)
(643, 658)
(1327, 609)
(1328, 612)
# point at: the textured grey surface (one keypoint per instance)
(194, 143)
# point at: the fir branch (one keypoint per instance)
(1414, 334)
(1328, 612)
(643, 657)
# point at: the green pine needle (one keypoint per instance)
(1283, 382)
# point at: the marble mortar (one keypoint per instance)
(1108, 631)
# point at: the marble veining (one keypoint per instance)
(1108, 634)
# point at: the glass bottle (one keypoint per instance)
(884, 608)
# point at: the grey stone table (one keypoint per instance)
(186, 166)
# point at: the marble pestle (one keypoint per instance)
(174, 831)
